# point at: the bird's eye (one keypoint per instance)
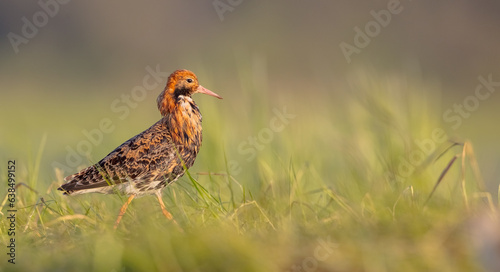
(189, 80)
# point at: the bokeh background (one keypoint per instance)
(89, 54)
(261, 56)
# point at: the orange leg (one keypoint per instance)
(162, 205)
(164, 210)
(122, 211)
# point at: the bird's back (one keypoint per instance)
(141, 165)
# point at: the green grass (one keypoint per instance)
(320, 196)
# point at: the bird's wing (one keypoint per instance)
(147, 156)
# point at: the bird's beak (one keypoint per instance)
(204, 90)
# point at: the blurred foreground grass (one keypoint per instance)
(332, 188)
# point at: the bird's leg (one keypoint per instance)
(162, 205)
(165, 212)
(122, 210)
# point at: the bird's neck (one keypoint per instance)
(184, 122)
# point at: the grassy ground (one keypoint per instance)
(339, 185)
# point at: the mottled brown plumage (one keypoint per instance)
(149, 161)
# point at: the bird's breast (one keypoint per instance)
(185, 127)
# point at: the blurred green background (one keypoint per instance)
(356, 118)
(89, 54)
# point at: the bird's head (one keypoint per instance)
(180, 83)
